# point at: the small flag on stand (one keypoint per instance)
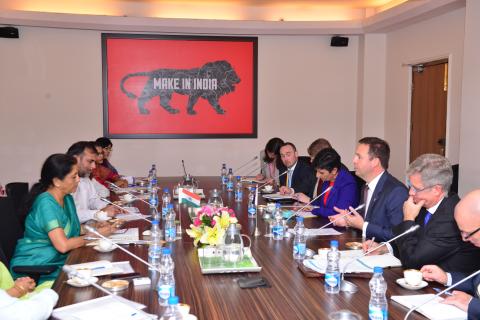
(188, 197)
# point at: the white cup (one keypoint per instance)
(412, 277)
(83, 275)
(268, 188)
(271, 206)
(105, 245)
(128, 197)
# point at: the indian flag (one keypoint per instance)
(189, 198)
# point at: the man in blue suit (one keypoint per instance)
(467, 295)
(383, 194)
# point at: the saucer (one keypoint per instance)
(73, 283)
(267, 191)
(104, 251)
(402, 283)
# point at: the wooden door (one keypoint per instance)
(429, 108)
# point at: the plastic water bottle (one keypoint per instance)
(170, 228)
(166, 278)
(155, 247)
(154, 175)
(166, 199)
(378, 306)
(153, 200)
(300, 240)
(149, 178)
(238, 190)
(173, 310)
(223, 174)
(252, 209)
(277, 228)
(230, 179)
(332, 274)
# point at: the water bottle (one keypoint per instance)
(277, 228)
(149, 179)
(166, 278)
(332, 274)
(378, 306)
(173, 310)
(252, 209)
(223, 174)
(238, 190)
(154, 176)
(230, 181)
(155, 247)
(170, 228)
(300, 240)
(153, 201)
(166, 199)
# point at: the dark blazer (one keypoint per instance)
(343, 194)
(471, 287)
(303, 178)
(385, 208)
(439, 242)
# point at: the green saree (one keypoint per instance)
(35, 248)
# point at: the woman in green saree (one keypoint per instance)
(52, 227)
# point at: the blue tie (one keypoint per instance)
(427, 218)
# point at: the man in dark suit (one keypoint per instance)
(383, 195)
(299, 176)
(467, 295)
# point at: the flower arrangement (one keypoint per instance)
(209, 225)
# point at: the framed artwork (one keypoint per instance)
(158, 86)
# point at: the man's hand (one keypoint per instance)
(339, 222)
(285, 190)
(121, 183)
(459, 299)
(434, 273)
(112, 210)
(370, 245)
(411, 209)
(354, 219)
(300, 197)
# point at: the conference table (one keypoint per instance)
(292, 294)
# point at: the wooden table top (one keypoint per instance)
(291, 296)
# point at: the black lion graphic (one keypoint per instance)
(210, 82)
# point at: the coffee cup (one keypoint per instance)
(105, 245)
(83, 276)
(412, 277)
(268, 188)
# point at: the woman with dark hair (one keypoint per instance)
(52, 227)
(344, 191)
(107, 146)
(270, 160)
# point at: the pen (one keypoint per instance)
(440, 290)
(370, 245)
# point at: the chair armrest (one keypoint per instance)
(38, 270)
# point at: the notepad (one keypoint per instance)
(318, 232)
(434, 310)
(105, 267)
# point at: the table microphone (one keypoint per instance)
(184, 171)
(440, 293)
(71, 271)
(245, 164)
(129, 193)
(116, 205)
(361, 206)
(94, 231)
(350, 287)
(274, 178)
(311, 201)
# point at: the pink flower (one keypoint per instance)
(232, 215)
(208, 211)
(197, 222)
(231, 211)
(213, 222)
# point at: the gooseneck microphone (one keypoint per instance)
(114, 186)
(116, 205)
(440, 293)
(311, 201)
(183, 166)
(245, 164)
(361, 206)
(274, 178)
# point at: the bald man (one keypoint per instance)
(466, 296)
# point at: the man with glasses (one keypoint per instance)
(438, 240)
(466, 295)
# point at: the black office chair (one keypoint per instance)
(10, 232)
(18, 191)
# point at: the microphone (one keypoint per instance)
(94, 231)
(71, 271)
(134, 196)
(348, 286)
(274, 178)
(116, 205)
(311, 201)
(183, 165)
(343, 215)
(440, 293)
(245, 164)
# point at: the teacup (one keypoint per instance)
(83, 276)
(105, 245)
(268, 188)
(128, 197)
(271, 206)
(412, 277)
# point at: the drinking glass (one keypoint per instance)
(215, 200)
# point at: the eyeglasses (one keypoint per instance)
(416, 190)
(468, 235)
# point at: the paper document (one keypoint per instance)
(129, 189)
(105, 308)
(131, 216)
(105, 267)
(354, 262)
(130, 235)
(318, 232)
(434, 310)
(277, 196)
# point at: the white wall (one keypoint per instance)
(51, 96)
(439, 37)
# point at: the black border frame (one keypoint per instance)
(106, 133)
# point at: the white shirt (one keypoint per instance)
(37, 307)
(87, 200)
(102, 191)
(291, 170)
(371, 189)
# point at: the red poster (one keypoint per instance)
(179, 86)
